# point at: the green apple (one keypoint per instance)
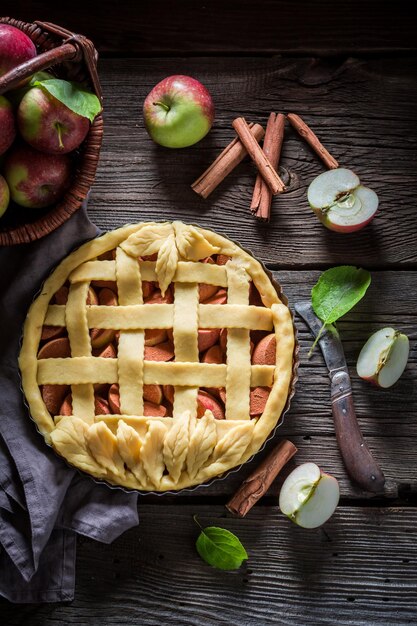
(384, 357)
(308, 496)
(4, 196)
(178, 112)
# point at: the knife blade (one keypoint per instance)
(358, 460)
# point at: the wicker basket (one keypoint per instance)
(72, 57)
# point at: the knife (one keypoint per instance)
(359, 462)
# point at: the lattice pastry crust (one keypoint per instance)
(132, 447)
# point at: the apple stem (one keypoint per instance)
(322, 329)
(59, 131)
(163, 105)
(198, 523)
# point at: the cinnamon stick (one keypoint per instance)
(227, 160)
(262, 196)
(306, 133)
(257, 155)
(257, 484)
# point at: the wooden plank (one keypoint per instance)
(233, 26)
(358, 570)
(138, 180)
(395, 456)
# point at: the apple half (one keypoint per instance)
(340, 202)
(308, 496)
(383, 358)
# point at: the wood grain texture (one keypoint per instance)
(191, 26)
(358, 570)
(363, 112)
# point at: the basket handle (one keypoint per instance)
(74, 48)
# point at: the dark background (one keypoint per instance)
(147, 27)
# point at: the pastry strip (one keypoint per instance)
(131, 342)
(79, 338)
(93, 270)
(238, 348)
(186, 272)
(80, 370)
(185, 331)
(162, 316)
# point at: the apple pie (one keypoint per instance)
(158, 356)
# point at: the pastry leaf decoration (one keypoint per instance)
(146, 240)
(152, 452)
(166, 264)
(171, 242)
(129, 443)
(191, 244)
(202, 442)
(162, 456)
(69, 439)
(220, 548)
(103, 446)
(176, 445)
(230, 448)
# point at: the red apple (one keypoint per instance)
(48, 125)
(4, 196)
(7, 125)
(16, 95)
(178, 112)
(35, 179)
(15, 48)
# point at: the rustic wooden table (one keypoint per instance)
(353, 78)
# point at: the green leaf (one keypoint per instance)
(220, 548)
(336, 292)
(73, 95)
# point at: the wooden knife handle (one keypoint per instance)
(357, 457)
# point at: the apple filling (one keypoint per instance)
(158, 399)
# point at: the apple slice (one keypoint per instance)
(153, 393)
(205, 402)
(161, 352)
(101, 406)
(168, 391)
(265, 351)
(308, 496)
(258, 399)
(157, 298)
(66, 407)
(101, 337)
(153, 336)
(222, 259)
(207, 337)
(206, 291)
(383, 358)
(340, 202)
(155, 410)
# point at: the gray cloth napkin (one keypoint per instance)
(43, 502)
